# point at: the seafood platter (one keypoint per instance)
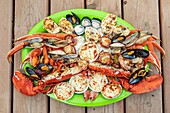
(87, 58)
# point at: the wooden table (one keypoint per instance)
(18, 16)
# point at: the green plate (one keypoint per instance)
(78, 99)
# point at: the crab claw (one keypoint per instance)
(23, 84)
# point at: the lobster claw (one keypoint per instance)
(23, 84)
(148, 84)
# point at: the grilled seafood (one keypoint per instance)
(108, 56)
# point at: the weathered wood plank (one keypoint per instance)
(5, 45)
(165, 25)
(111, 6)
(144, 15)
(57, 6)
(28, 13)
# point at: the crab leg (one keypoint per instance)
(133, 31)
(44, 36)
(15, 49)
(159, 48)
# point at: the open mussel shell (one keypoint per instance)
(137, 76)
(118, 38)
(32, 73)
(96, 23)
(86, 22)
(74, 19)
(133, 53)
(142, 53)
(45, 68)
(132, 37)
(79, 29)
(129, 54)
(35, 43)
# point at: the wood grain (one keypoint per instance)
(59, 5)
(144, 15)
(111, 6)
(28, 13)
(56, 6)
(165, 25)
(5, 46)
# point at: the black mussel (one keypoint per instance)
(142, 53)
(45, 68)
(32, 73)
(119, 39)
(96, 23)
(79, 29)
(74, 19)
(129, 54)
(39, 72)
(86, 22)
(137, 76)
(133, 53)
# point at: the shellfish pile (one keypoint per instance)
(87, 56)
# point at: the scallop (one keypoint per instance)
(51, 26)
(108, 23)
(63, 91)
(97, 82)
(111, 91)
(79, 83)
(91, 34)
(66, 26)
(120, 29)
